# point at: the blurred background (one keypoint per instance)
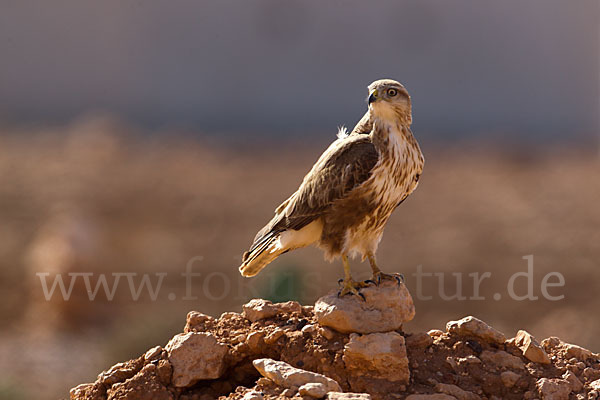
(151, 137)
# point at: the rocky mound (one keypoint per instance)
(347, 348)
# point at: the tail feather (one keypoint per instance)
(261, 253)
(270, 243)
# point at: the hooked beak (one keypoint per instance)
(372, 96)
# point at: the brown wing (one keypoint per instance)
(346, 164)
(364, 126)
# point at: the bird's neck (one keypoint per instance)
(390, 135)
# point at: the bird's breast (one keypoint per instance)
(395, 175)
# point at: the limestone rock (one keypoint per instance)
(502, 359)
(436, 396)
(194, 357)
(198, 322)
(283, 374)
(253, 395)
(419, 339)
(87, 391)
(348, 396)
(377, 355)
(145, 385)
(531, 348)
(385, 309)
(455, 391)
(435, 333)
(577, 352)
(471, 326)
(576, 384)
(258, 309)
(595, 384)
(120, 372)
(316, 390)
(255, 340)
(553, 389)
(153, 354)
(327, 333)
(551, 343)
(274, 336)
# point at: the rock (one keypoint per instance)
(87, 391)
(327, 332)
(435, 333)
(121, 371)
(502, 359)
(531, 348)
(575, 383)
(145, 385)
(577, 352)
(509, 378)
(471, 326)
(262, 381)
(550, 343)
(569, 351)
(348, 396)
(469, 360)
(385, 309)
(289, 392)
(591, 374)
(283, 374)
(377, 355)
(255, 340)
(253, 395)
(553, 389)
(198, 322)
(595, 385)
(153, 353)
(316, 390)
(194, 357)
(436, 396)
(419, 339)
(274, 336)
(455, 391)
(452, 363)
(310, 329)
(258, 309)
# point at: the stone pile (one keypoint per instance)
(348, 348)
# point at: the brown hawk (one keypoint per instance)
(345, 200)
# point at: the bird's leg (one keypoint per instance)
(349, 285)
(378, 276)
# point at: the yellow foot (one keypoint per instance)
(380, 276)
(350, 286)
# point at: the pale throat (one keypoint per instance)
(390, 130)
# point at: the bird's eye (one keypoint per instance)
(392, 92)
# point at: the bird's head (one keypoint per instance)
(389, 100)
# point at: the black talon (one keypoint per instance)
(370, 281)
(363, 296)
(340, 281)
(400, 279)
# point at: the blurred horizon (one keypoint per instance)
(526, 71)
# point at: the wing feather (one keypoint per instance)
(364, 126)
(346, 164)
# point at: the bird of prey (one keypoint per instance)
(344, 202)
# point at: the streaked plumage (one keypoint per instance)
(345, 200)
